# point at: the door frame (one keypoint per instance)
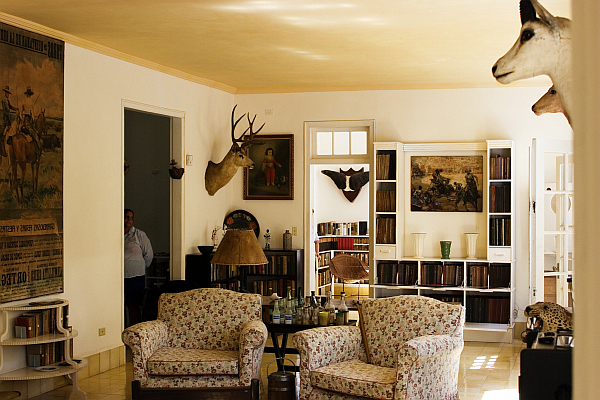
(177, 186)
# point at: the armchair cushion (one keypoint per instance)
(357, 378)
(177, 361)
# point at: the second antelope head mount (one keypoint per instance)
(218, 175)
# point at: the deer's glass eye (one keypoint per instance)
(240, 155)
(526, 35)
(553, 91)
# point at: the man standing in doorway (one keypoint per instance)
(138, 256)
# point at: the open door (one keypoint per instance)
(551, 221)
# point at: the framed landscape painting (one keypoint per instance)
(272, 177)
(446, 183)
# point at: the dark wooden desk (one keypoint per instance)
(284, 330)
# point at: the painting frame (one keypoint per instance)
(270, 180)
(449, 183)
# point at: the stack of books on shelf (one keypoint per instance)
(499, 167)
(500, 199)
(233, 285)
(279, 286)
(37, 323)
(222, 272)
(278, 265)
(342, 228)
(499, 231)
(385, 201)
(346, 243)
(323, 278)
(382, 166)
(39, 355)
(489, 275)
(441, 274)
(385, 230)
(397, 273)
(488, 309)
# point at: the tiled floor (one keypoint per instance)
(488, 371)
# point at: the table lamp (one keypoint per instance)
(239, 247)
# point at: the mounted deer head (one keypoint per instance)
(218, 175)
(550, 103)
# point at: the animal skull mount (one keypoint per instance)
(218, 175)
(349, 181)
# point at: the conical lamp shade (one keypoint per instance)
(239, 247)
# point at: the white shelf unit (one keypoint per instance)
(489, 304)
(65, 335)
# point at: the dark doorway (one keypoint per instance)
(147, 185)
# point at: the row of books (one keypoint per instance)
(343, 243)
(499, 167)
(397, 273)
(382, 167)
(323, 278)
(385, 200)
(342, 228)
(385, 232)
(279, 286)
(489, 275)
(494, 310)
(222, 272)
(499, 231)
(39, 322)
(39, 355)
(438, 274)
(500, 199)
(278, 265)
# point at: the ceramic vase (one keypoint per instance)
(471, 245)
(445, 248)
(419, 243)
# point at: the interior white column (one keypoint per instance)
(586, 124)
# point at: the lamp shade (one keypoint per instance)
(239, 247)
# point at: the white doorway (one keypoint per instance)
(155, 184)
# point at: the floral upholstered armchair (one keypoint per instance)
(413, 342)
(203, 339)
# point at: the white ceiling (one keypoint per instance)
(271, 46)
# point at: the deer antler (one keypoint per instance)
(233, 126)
(250, 140)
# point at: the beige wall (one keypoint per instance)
(95, 86)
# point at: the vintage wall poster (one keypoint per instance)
(31, 164)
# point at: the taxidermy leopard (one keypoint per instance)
(552, 315)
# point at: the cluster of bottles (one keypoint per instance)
(289, 310)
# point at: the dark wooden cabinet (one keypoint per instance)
(285, 268)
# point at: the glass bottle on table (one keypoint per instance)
(330, 308)
(343, 308)
(288, 313)
(276, 312)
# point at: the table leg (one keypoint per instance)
(279, 350)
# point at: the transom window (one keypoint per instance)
(340, 142)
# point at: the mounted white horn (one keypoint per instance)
(544, 15)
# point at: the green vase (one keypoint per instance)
(445, 246)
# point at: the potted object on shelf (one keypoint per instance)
(471, 245)
(419, 242)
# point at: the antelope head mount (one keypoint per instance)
(218, 175)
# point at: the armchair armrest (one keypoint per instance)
(253, 338)
(144, 339)
(324, 346)
(427, 367)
